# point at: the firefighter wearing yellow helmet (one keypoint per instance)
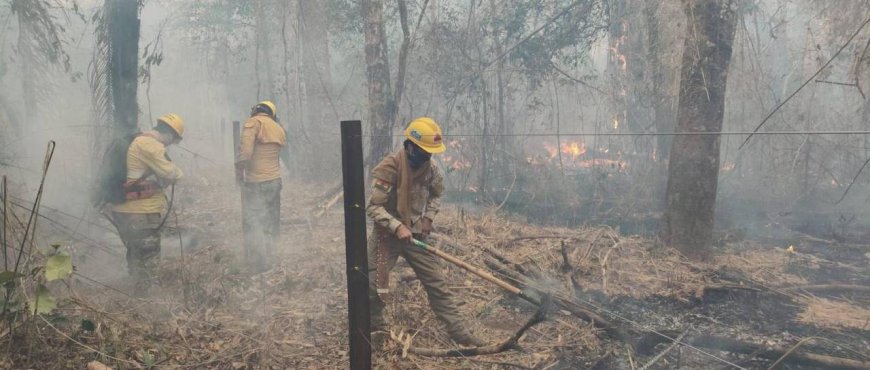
(258, 172)
(139, 217)
(405, 198)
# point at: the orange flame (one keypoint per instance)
(572, 148)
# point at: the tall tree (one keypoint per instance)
(661, 73)
(113, 73)
(378, 79)
(314, 30)
(693, 171)
(124, 38)
(383, 103)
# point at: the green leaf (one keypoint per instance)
(7, 276)
(43, 302)
(59, 266)
(88, 325)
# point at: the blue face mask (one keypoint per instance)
(416, 156)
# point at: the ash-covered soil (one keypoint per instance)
(211, 313)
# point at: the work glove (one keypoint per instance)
(427, 225)
(404, 234)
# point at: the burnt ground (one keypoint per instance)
(211, 313)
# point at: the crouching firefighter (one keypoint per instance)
(405, 198)
(258, 172)
(139, 201)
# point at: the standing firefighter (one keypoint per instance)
(140, 214)
(405, 197)
(258, 171)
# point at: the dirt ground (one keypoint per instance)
(211, 313)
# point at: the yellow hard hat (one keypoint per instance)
(270, 105)
(426, 133)
(174, 121)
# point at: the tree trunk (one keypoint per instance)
(123, 32)
(693, 171)
(263, 63)
(378, 78)
(662, 102)
(316, 60)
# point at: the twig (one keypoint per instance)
(853, 181)
(830, 287)
(604, 267)
(663, 353)
(534, 237)
(331, 202)
(506, 364)
(849, 41)
(774, 353)
(790, 350)
(85, 346)
(566, 262)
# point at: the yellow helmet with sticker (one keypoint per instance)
(426, 133)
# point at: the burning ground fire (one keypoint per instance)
(572, 153)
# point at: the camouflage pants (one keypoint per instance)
(141, 237)
(261, 213)
(428, 270)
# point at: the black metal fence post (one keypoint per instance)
(353, 177)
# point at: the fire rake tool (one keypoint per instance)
(485, 275)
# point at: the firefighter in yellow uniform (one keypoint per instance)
(139, 217)
(258, 171)
(405, 198)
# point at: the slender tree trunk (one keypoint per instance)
(263, 63)
(664, 119)
(693, 172)
(378, 78)
(123, 30)
(316, 59)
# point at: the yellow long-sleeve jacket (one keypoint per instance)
(146, 159)
(425, 192)
(259, 147)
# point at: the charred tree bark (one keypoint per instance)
(123, 33)
(693, 171)
(378, 78)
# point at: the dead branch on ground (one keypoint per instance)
(510, 343)
(777, 353)
(829, 288)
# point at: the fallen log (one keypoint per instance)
(510, 343)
